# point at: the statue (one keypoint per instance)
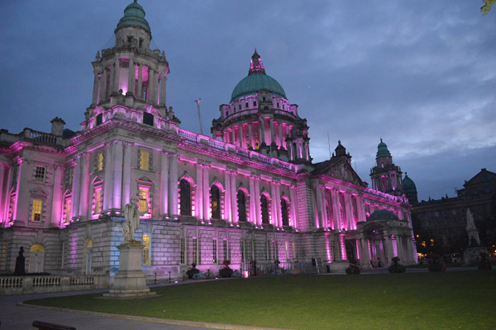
(132, 215)
(97, 57)
(20, 263)
(470, 220)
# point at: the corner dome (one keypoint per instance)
(382, 150)
(382, 215)
(256, 80)
(134, 15)
(408, 185)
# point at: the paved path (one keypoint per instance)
(16, 316)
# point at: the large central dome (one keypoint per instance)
(256, 80)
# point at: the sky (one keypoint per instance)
(421, 75)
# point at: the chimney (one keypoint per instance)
(57, 126)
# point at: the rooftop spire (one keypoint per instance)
(256, 65)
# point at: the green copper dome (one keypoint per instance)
(134, 14)
(408, 185)
(256, 80)
(382, 150)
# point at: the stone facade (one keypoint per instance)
(248, 193)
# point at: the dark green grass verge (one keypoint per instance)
(452, 300)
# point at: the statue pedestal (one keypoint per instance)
(129, 281)
(471, 255)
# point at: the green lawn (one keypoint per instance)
(451, 300)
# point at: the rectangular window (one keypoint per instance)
(294, 251)
(147, 260)
(286, 247)
(227, 253)
(183, 251)
(267, 250)
(39, 173)
(99, 161)
(67, 211)
(195, 250)
(215, 258)
(37, 207)
(143, 200)
(243, 251)
(275, 249)
(98, 201)
(144, 160)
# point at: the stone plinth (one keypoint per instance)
(471, 255)
(129, 281)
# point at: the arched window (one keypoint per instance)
(264, 205)
(284, 212)
(185, 196)
(215, 201)
(241, 206)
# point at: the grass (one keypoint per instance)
(452, 300)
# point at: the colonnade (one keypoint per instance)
(120, 74)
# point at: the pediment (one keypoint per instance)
(145, 179)
(343, 171)
(97, 180)
(38, 192)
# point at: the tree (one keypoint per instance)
(487, 6)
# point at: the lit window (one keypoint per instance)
(146, 250)
(67, 210)
(99, 161)
(143, 200)
(144, 160)
(37, 207)
(215, 200)
(98, 201)
(40, 173)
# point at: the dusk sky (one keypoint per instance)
(421, 75)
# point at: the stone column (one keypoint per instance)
(252, 201)
(336, 214)
(399, 247)
(280, 136)
(275, 218)
(199, 192)
(132, 76)
(343, 247)
(56, 204)
(241, 135)
(364, 253)
(152, 86)
(262, 130)
(292, 195)
(272, 133)
(233, 140)
(234, 191)
(164, 183)
(252, 145)
(84, 209)
(107, 189)
(173, 185)
(76, 184)
(227, 196)
(257, 201)
(206, 193)
(163, 80)
(140, 81)
(111, 79)
(318, 198)
(103, 86)
(278, 203)
(117, 162)
(116, 75)
(126, 176)
(96, 79)
(388, 246)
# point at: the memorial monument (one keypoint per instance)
(130, 281)
(472, 252)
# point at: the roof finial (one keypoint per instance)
(256, 65)
(381, 139)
